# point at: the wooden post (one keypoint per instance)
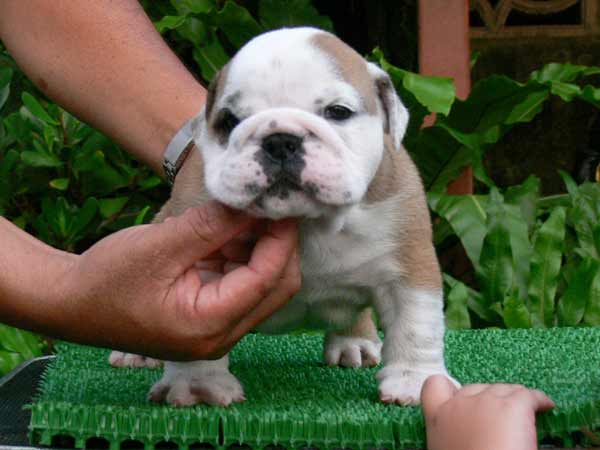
(444, 50)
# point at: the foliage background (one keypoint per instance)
(533, 261)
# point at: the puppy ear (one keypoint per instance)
(214, 89)
(396, 115)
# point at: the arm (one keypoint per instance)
(31, 279)
(108, 65)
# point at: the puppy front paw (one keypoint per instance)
(216, 388)
(350, 351)
(403, 386)
(120, 359)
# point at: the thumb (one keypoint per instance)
(436, 391)
(199, 231)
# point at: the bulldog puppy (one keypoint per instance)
(300, 125)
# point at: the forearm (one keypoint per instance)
(32, 281)
(106, 63)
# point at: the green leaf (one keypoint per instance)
(475, 300)
(49, 138)
(37, 109)
(572, 305)
(111, 206)
(450, 170)
(566, 91)
(591, 315)
(140, 217)
(169, 23)
(149, 182)
(237, 23)
(88, 161)
(495, 271)
(83, 218)
(530, 107)
(193, 30)
(591, 95)
(467, 216)
(436, 93)
(570, 184)
(525, 196)
(9, 360)
(545, 268)
(193, 6)
(515, 313)
(35, 159)
(291, 13)
(210, 56)
(555, 72)
(520, 246)
(457, 314)
(21, 342)
(585, 215)
(60, 184)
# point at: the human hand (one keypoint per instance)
(481, 416)
(138, 290)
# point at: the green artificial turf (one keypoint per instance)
(295, 401)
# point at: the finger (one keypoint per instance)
(538, 400)
(197, 233)
(240, 290)
(288, 286)
(473, 389)
(215, 265)
(436, 391)
(541, 401)
(505, 389)
(237, 251)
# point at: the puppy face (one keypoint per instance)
(294, 126)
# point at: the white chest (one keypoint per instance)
(341, 264)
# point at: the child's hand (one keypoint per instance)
(481, 416)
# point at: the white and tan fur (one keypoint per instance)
(365, 235)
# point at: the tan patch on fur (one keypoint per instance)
(363, 327)
(397, 178)
(188, 190)
(350, 65)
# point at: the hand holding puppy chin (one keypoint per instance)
(481, 416)
(139, 289)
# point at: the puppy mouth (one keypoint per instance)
(283, 184)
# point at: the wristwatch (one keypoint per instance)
(177, 150)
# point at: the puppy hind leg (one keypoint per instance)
(357, 346)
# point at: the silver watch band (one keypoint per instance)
(177, 150)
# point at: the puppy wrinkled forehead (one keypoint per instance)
(284, 62)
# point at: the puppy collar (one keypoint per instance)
(177, 151)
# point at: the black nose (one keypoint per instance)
(281, 146)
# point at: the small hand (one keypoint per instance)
(481, 416)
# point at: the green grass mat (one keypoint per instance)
(294, 401)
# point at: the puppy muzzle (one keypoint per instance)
(284, 162)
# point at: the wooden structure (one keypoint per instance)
(444, 50)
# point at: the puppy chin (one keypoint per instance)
(296, 204)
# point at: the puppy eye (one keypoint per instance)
(226, 122)
(338, 112)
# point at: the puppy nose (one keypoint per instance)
(281, 146)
